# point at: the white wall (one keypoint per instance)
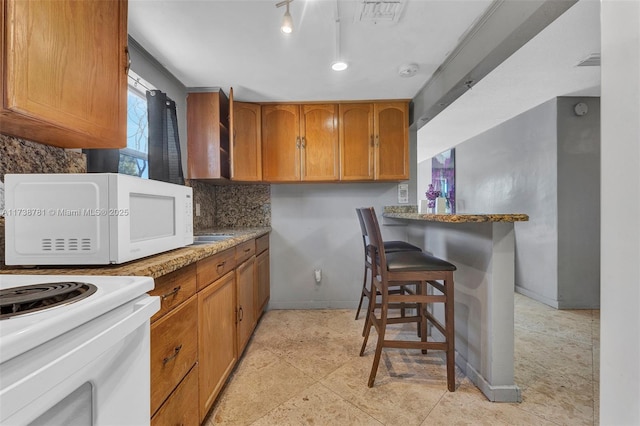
(315, 226)
(545, 163)
(578, 204)
(512, 169)
(620, 291)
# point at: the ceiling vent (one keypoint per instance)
(379, 11)
(593, 60)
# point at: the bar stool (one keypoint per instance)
(415, 268)
(389, 247)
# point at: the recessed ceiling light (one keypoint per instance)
(339, 66)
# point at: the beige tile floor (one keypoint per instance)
(302, 368)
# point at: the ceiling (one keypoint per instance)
(238, 43)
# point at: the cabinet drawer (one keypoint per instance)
(182, 406)
(244, 251)
(174, 288)
(174, 349)
(215, 266)
(262, 243)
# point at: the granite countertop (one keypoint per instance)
(157, 265)
(411, 213)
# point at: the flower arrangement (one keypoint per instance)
(432, 194)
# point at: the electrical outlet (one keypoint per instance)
(197, 209)
(318, 275)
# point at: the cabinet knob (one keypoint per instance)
(298, 142)
(304, 142)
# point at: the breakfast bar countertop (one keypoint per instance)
(411, 213)
(152, 266)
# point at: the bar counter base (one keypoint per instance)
(483, 250)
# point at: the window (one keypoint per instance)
(134, 158)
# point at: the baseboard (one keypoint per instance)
(536, 296)
(320, 304)
(504, 393)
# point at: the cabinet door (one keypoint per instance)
(356, 142)
(245, 278)
(246, 152)
(262, 291)
(392, 140)
(319, 133)
(65, 72)
(216, 338)
(280, 143)
(173, 350)
(181, 408)
(208, 135)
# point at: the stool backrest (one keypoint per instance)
(363, 228)
(376, 244)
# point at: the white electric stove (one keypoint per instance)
(74, 350)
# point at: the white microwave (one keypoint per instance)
(93, 218)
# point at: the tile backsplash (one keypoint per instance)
(231, 206)
(21, 156)
(243, 206)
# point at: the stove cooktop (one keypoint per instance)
(35, 297)
(20, 333)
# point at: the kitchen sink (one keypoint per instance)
(210, 238)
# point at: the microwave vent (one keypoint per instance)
(66, 244)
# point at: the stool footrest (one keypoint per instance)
(405, 344)
(416, 298)
(435, 322)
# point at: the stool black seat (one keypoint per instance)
(425, 272)
(389, 247)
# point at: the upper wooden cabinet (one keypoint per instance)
(208, 127)
(319, 155)
(63, 72)
(374, 141)
(356, 142)
(246, 143)
(391, 130)
(300, 142)
(280, 142)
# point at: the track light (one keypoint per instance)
(287, 22)
(339, 64)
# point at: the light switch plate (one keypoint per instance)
(403, 193)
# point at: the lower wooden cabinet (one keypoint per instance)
(182, 406)
(245, 279)
(262, 290)
(174, 349)
(208, 313)
(216, 338)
